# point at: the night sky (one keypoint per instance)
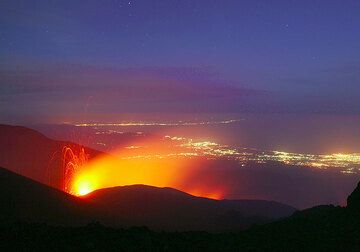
(64, 57)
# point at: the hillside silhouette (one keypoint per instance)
(23, 199)
(31, 154)
(322, 228)
(171, 209)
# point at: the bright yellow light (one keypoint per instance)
(84, 184)
(84, 188)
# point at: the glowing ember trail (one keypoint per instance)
(73, 162)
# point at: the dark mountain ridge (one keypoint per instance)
(321, 228)
(159, 208)
(171, 209)
(23, 199)
(31, 154)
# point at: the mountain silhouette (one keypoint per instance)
(171, 209)
(321, 228)
(160, 208)
(27, 200)
(353, 201)
(31, 154)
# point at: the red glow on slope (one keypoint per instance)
(217, 195)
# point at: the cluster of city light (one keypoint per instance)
(108, 132)
(112, 132)
(177, 147)
(187, 147)
(141, 123)
(346, 163)
(349, 163)
(204, 147)
(173, 156)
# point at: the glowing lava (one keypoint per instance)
(74, 159)
(84, 183)
(83, 188)
(128, 166)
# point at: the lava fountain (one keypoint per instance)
(74, 160)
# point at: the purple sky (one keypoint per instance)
(64, 57)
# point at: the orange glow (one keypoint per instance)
(83, 188)
(84, 184)
(151, 166)
(217, 195)
(73, 162)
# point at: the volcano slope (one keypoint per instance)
(171, 209)
(31, 154)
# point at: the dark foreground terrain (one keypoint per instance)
(322, 228)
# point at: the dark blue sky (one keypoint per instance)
(179, 56)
